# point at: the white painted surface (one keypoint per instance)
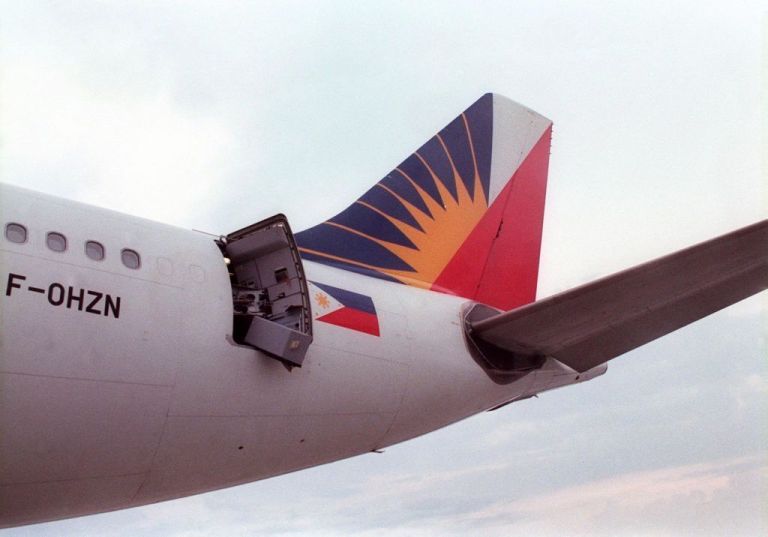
(159, 403)
(511, 141)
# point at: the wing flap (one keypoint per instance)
(591, 324)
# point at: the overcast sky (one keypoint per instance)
(213, 115)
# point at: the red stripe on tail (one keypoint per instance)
(498, 264)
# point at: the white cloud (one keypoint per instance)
(639, 503)
(756, 383)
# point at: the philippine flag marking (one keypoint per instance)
(343, 308)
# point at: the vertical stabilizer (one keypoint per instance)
(462, 215)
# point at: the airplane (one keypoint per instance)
(140, 362)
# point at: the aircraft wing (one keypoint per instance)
(591, 324)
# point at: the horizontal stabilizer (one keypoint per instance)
(591, 324)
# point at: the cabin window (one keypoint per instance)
(94, 250)
(130, 258)
(56, 241)
(16, 233)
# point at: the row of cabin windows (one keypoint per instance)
(58, 243)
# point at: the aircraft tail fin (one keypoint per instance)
(462, 215)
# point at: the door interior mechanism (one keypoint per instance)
(269, 290)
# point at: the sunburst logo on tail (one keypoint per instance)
(408, 227)
(462, 215)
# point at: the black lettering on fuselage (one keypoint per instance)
(90, 308)
(13, 285)
(56, 294)
(113, 306)
(72, 297)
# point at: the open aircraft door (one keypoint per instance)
(269, 290)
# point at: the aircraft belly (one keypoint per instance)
(239, 415)
(107, 429)
(91, 435)
(52, 500)
(201, 453)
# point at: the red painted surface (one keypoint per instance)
(354, 320)
(498, 264)
(461, 276)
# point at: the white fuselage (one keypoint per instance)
(100, 411)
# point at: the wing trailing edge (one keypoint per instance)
(591, 324)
